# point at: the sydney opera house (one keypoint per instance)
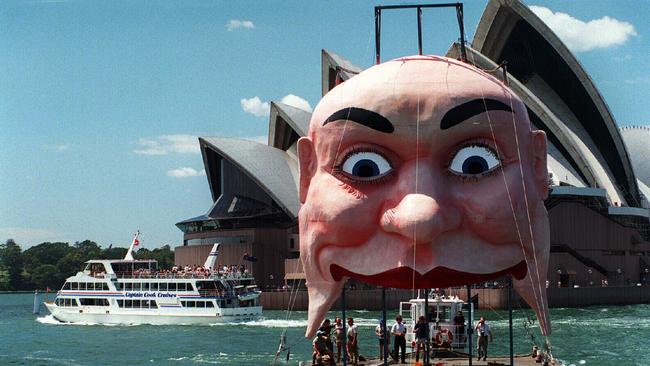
(599, 174)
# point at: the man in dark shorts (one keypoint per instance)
(399, 332)
(421, 330)
(326, 328)
(383, 341)
(459, 328)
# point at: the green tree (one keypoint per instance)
(11, 258)
(47, 253)
(164, 255)
(70, 264)
(113, 253)
(47, 275)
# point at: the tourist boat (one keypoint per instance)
(130, 291)
(441, 313)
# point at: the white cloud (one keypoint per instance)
(27, 237)
(236, 23)
(59, 147)
(255, 106)
(259, 108)
(296, 101)
(582, 36)
(185, 172)
(166, 144)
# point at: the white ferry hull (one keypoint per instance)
(154, 317)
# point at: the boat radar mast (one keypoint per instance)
(134, 245)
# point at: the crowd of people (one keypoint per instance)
(187, 271)
(330, 341)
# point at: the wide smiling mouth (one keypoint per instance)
(406, 277)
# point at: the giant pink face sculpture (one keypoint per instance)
(422, 172)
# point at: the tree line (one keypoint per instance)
(47, 265)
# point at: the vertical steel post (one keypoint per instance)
(512, 352)
(461, 26)
(377, 35)
(470, 324)
(385, 332)
(345, 333)
(425, 359)
(419, 31)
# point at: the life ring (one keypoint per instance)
(444, 336)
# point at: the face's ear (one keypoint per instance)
(539, 163)
(307, 159)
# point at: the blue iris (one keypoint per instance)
(365, 168)
(475, 165)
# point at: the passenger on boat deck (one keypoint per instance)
(383, 341)
(353, 345)
(399, 332)
(339, 337)
(483, 331)
(421, 330)
(326, 327)
(459, 327)
(322, 354)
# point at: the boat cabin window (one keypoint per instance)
(128, 286)
(181, 286)
(137, 286)
(197, 304)
(163, 286)
(66, 302)
(95, 269)
(209, 285)
(93, 302)
(438, 313)
(145, 286)
(74, 286)
(171, 286)
(66, 286)
(137, 304)
(154, 286)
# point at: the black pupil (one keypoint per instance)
(365, 168)
(475, 165)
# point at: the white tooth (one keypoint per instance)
(322, 296)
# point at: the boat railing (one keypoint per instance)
(212, 293)
(184, 275)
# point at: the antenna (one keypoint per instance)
(459, 16)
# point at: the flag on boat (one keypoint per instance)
(136, 241)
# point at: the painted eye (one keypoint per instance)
(474, 160)
(366, 164)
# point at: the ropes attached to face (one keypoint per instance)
(537, 292)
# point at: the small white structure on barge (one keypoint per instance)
(442, 312)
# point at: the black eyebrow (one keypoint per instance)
(469, 109)
(363, 117)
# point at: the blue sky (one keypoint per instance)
(101, 102)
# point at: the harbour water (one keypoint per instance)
(593, 336)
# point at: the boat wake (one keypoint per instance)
(51, 320)
(270, 323)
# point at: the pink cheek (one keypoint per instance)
(488, 216)
(346, 216)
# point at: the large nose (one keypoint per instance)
(420, 218)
